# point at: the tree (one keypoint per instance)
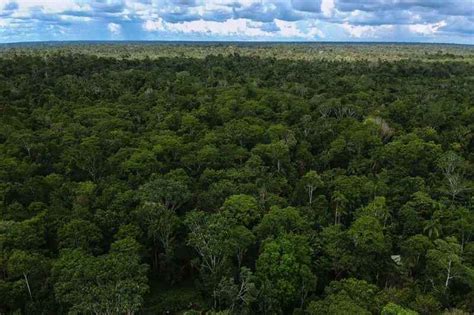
(311, 181)
(394, 309)
(208, 235)
(377, 208)
(451, 165)
(240, 239)
(172, 190)
(28, 234)
(284, 272)
(25, 264)
(237, 296)
(160, 224)
(79, 233)
(243, 208)
(459, 222)
(370, 246)
(87, 157)
(400, 154)
(277, 153)
(336, 305)
(306, 124)
(84, 194)
(445, 263)
(216, 238)
(339, 201)
(419, 208)
(367, 235)
(142, 162)
(279, 221)
(108, 284)
(433, 227)
(414, 250)
(244, 132)
(348, 296)
(167, 146)
(335, 249)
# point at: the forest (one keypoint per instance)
(237, 180)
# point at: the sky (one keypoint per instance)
(441, 21)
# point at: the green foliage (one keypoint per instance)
(280, 221)
(173, 300)
(171, 190)
(284, 272)
(394, 309)
(240, 174)
(237, 297)
(367, 235)
(445, 264)
(79, 233)
(346, 296)
(115, 282)
(243, 208)
(159, 222)
(310, 182)
(377, 208)
(217, 239)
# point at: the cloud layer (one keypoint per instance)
(260, 20)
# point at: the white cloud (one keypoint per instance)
(230, 27)
(293, 30)
(426, 29)
(366, 31)
(50, 6)
(234, 27)
(73, 18)
(153, 26)
(114, 28)
(314, 32)
(240, 19)
(289, 29)
(327, 7)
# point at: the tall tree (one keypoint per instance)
(108, 284)
(284, 272)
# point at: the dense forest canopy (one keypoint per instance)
(236, 179)
(295, 51)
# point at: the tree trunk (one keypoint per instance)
(28, 285)
(448, 277)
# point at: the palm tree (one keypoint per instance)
(432, 228)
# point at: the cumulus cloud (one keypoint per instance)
(237, 28)
(367, 31)
(231, 27)
(327, 7)
(153, 26)
(407, 20)
(114, 28)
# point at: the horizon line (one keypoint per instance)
(95, 41)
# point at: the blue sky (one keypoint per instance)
(447, 21)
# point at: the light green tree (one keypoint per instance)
(311, 181)
(243, 208)
(284, 272)
(114, 283)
